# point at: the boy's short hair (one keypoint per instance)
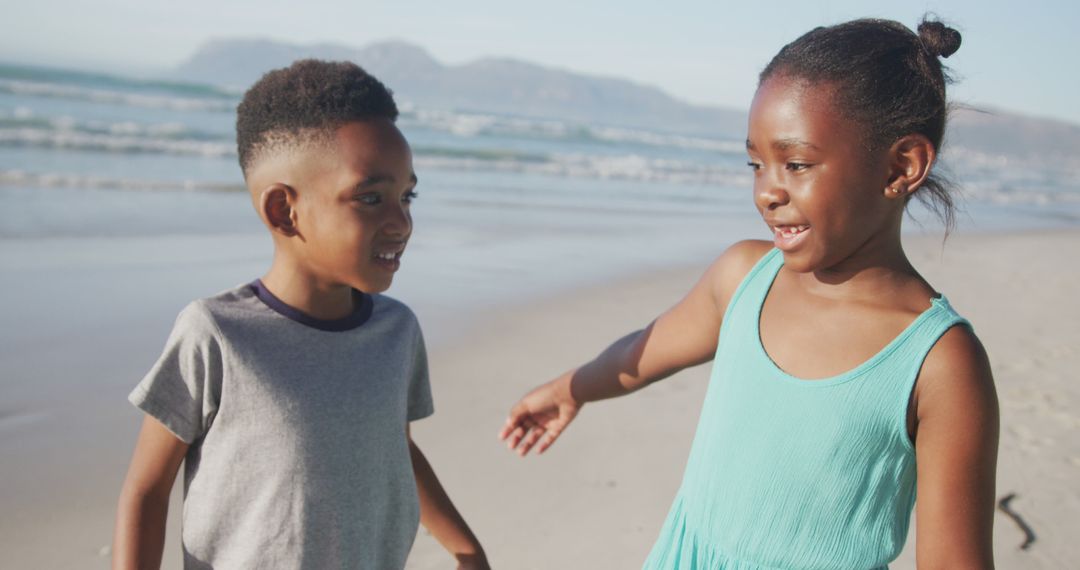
(305, 103)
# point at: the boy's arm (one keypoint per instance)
(438, 515)
(144, 500)
(956, 441)
(685, 335)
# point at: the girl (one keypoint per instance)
(843, 384)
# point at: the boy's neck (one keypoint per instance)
(305, 293)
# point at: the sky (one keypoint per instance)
(1017, 56)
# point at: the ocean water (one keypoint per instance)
(121, 171)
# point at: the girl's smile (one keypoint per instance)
(789, 237)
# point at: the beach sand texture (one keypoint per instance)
(598, 498)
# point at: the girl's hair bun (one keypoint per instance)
(939, 39)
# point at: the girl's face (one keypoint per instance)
(817, 186)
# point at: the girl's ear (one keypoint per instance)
(277, 206)
(910, 159)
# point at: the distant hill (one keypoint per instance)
(507, 86)
(996, 132)
(491, 85)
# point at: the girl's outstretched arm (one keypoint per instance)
(956, 441)
(685, 335)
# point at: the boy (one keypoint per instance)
(288, 399)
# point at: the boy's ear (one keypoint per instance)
(910, 159)
(277, 203)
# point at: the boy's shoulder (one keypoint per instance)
(388, 304)
(387, 310)
(235, 302)
(225, 317)
(228, 299)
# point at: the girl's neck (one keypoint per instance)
(879, 267)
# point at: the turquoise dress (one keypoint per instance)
(786, 473)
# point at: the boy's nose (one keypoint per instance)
(398, 221)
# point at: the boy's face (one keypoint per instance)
(352, 207)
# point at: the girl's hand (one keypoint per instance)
(540, 416)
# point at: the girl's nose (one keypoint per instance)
(769, 194)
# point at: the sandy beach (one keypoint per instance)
(598, 498)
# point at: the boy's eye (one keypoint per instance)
(754, 165)
(797, 166)
(369, 198)
(409, 196)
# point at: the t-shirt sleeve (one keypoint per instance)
(421, 404)
(183, 388)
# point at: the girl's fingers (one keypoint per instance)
(530, 440)
(547, 441)
(522, 432)
(507, 428)
(515, 436)
(514, 420)
(522, 427)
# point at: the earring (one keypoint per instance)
(895, 190)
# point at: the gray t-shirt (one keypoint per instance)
(299, 456)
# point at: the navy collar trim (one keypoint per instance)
(362, 304)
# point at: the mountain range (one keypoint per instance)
(507, 86)
(493, 85)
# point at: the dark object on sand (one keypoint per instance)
(1029, 534)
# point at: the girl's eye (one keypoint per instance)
(797, 166)
(754, 165)
(409, 196)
